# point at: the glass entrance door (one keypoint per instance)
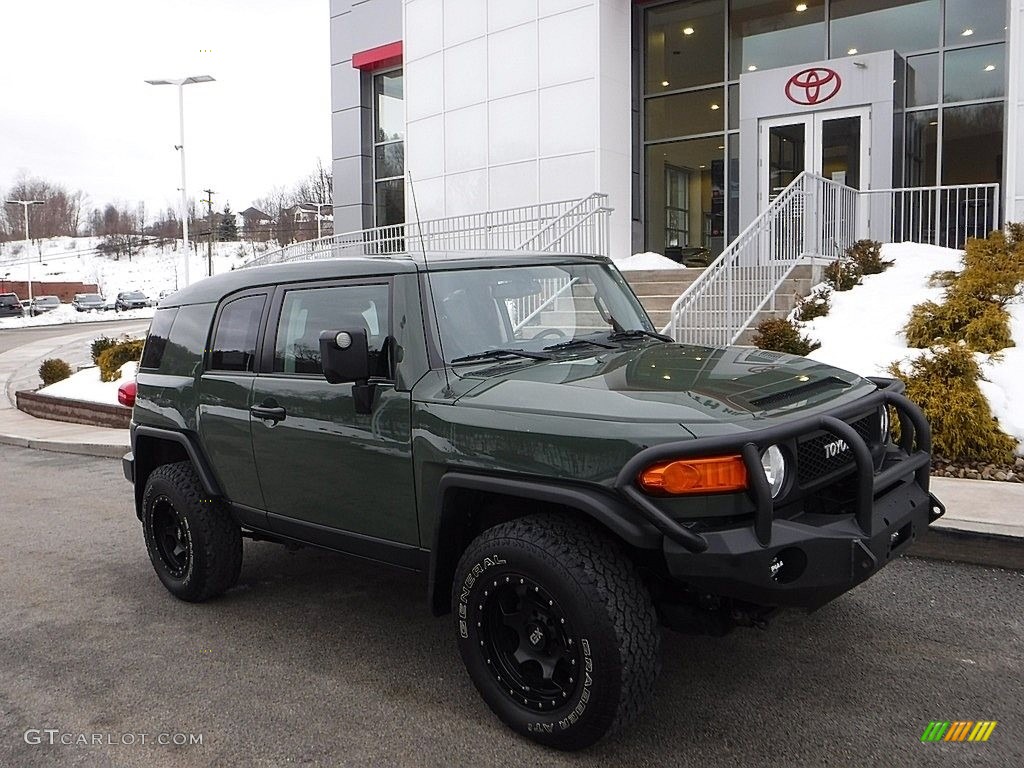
(831, 144)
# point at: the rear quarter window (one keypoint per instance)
(156, 341)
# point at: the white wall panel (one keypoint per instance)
(465, 139)
(425, 19)
(464, 20)
(512, 186)
(424, 87)
(423, 155)
(465, 74)
(567, 118)
(512, 54)
(568, 46)
(513, 128)
(502, 14)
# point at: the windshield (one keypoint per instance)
(88, 297)
(8, 300)
(134, 295)
(531, 307)
(46, 300)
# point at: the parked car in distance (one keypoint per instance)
(10, 305)
(131, 300)
(43, 304)
(88, 302)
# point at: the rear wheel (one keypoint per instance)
(194, 545)
(556, 629)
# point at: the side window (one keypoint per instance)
(306, 312)
(234, 343)
(156, 341)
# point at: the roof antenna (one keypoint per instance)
(426, 279)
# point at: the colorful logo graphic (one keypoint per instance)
(958, 730)
(813, 86)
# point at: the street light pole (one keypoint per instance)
(181, 82)
(319, 231)
(28, 240)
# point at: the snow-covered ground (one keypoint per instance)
(86, 385)
(646, 261)
(863, 331)
(73, 259)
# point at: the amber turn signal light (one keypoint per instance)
(718, 474)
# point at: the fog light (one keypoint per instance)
(774, 465)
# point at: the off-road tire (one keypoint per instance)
(586, 598)
(210, 540)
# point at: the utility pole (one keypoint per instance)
(209, 239)
(28, 240)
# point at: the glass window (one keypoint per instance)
(156, 340)
(685, 45)
(691, 171)
(683, 114)
(972, 144)
(388, 106)
(389, 149)
(764, 34)
(187, 344)
(920, 148)
(864, 26)
(974, 73)
(975, 21)
(530, 307)
(923, 80)
(734, 107)
(390, 202)
(305, 313)
(234, 344)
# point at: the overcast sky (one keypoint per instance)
(74, 108)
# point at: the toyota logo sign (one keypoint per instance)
(813, 86)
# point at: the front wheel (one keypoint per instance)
(556, 629)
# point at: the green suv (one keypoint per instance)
(512, 426)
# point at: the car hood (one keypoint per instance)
(662, 382)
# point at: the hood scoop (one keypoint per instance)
(796, 394)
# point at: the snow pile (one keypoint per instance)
(86, 385)
(863, 332)
(646, 261)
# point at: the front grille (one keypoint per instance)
(822, 454)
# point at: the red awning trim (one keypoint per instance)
(383, 56)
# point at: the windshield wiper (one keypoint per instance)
(636, 333)
(499, 353)
(579, 343)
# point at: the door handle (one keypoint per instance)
(274, 413)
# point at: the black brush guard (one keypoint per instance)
(743, 561)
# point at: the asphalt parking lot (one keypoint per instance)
(319, 660)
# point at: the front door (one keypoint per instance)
(324, 468)
(833, 144)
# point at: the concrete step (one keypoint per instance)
(685, 274)
(651, 303)
(647, 288)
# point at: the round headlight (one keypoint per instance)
(774, 465)
(883, 424)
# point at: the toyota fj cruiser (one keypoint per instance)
(512, 426)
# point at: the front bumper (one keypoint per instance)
(807, 559)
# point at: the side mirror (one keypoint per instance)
(345, 356)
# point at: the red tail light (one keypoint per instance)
(126, 394)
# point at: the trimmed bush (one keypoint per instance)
(816, 305)
(781, 335)
(111, 360)
(54, 370)
(982, 325)
(867, 256)
(943, 278)
(945, 384)
(99, 346)
(842, 275)
(994, 269)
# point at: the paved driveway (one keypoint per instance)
(317, 660)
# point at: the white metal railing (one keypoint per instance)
(572, 226)
(813, 216)
(944, 216)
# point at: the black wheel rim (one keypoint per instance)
(170, 537)
(528, 643)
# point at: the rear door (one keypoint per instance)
(225, 393)
(323, 467)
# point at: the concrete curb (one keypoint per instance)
(97, 450)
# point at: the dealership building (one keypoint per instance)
(690, 115)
